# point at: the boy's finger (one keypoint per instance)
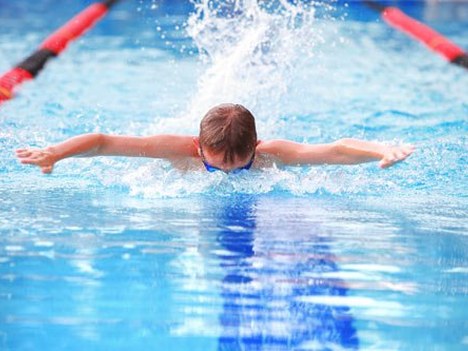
(28, 161)
(410, 149)
(384, 163)
(23, 152)
(35, 157)
(392, 159)
(47, 169)
(401, 155)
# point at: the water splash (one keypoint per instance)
(155, 180)
(248, 49)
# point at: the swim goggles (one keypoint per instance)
(211, 168)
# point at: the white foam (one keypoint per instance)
(248, 51)
(352, 301)
(43, 243)
(156, 179)
(14, 248)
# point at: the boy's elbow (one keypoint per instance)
(96, 138)
(340, 150)
(344, 146)
(98, 142)
(339, 146)
(99, 138)
(343, 142)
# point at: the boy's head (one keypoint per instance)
(228, 136)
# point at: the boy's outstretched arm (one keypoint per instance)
(96, 144)
(343, 151)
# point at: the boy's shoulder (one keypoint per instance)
(271, 146)
(267, 153)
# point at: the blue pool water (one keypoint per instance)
(129, 254)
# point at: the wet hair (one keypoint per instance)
(229, 129)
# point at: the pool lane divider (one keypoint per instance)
(421, 32)
(52, 47)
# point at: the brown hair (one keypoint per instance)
(229, 128)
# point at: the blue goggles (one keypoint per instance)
(211, 168)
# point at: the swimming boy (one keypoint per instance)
(227, 142)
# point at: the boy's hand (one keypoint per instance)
(43, 158)
(395, 154)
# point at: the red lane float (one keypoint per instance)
(434, 40)
(9, 80)
(421, 32)
(74, 28)
(51, 47)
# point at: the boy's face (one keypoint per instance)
(215, 161)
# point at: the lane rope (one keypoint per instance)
(421, 32)
(52, 47)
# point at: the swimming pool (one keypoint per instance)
(119, 254)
